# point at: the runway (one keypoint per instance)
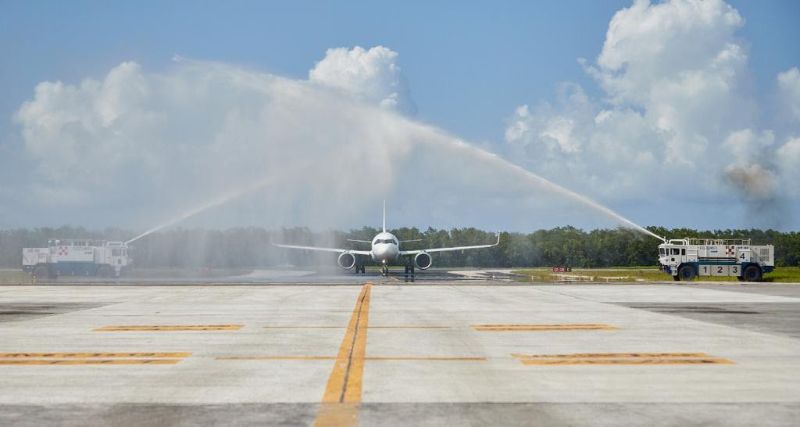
(382, 352)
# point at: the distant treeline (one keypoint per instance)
(252, 246)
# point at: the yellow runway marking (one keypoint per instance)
(620, 359)
(88, 355)
(605, 355)
(167, 328)
(90, 362)
(544, 327)
(642, 361)
(343, 392)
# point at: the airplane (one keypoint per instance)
(385, 250)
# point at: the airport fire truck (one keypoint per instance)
(76, 257)
(686, 259)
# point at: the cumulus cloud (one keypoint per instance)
(370, 75)
(788, 160)
(201, 129)
(675, 103)
(789, 86)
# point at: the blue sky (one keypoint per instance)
(468, 67)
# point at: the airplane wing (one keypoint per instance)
(456, 248)
(315, 248)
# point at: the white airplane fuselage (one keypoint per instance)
(385, 248)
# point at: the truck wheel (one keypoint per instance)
(41, 271)
(752, 273)
(686, 273)
(105, 271)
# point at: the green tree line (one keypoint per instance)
(253, 247)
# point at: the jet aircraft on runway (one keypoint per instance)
(385, 250)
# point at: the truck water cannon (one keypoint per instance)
(77, 257)
(685, 259)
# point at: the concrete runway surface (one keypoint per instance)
(376, 351)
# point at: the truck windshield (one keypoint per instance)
(661, 251)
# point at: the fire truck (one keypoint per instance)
(686, 259)
(76, 257)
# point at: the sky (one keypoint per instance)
(132, 114)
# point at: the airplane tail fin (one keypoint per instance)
(384, 216)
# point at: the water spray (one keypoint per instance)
(225, 198)
(547, 184)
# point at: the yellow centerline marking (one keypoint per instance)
(88, 355)
(543, 327)
(620, 359)
(167, 328)
(343, 391)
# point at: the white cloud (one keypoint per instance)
(675, 112)
(370, 75)
(747, 146)
(789, 86)
(788, 160)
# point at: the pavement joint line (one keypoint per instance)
(167, 328)
(342, 395)
(543, 327)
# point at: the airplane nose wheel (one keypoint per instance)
(385, 270)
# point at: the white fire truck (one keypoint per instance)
(76, 257)
(686, 259)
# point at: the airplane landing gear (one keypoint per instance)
(385, 270)
(361, 269)
(409, 273)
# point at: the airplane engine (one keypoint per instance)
(423, 261)
(346, 260)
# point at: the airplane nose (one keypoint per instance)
(385, 252)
